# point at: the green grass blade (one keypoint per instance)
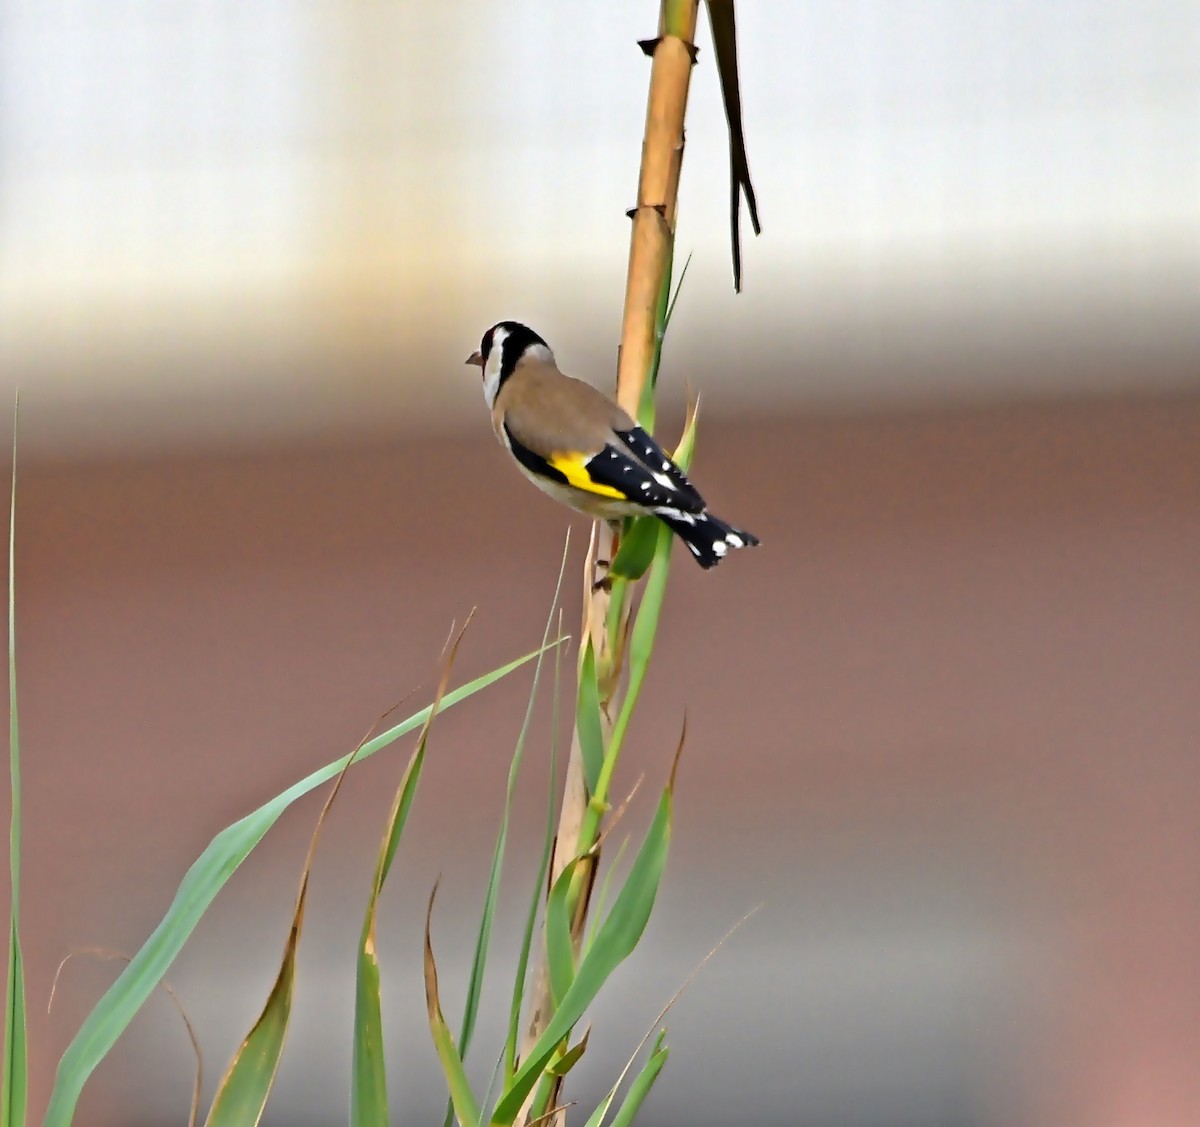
(615, 939)
(466, 1109)
(587, 716)
(242, 1094)
(368, 1076)
(562, 1060)
(368, 1090)
(642, 1083)
(687, 441)
(568, 1060)
(675, 297)
(537, 1112)
(368, 1079)
(14, 1085)
(636, 552)
(601, 900)
(641, 646)
(514, 1010)
(200, 885)
(487, 1095)
(560, 951)
(597, 1116)
(638, 1090)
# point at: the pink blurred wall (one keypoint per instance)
(943, 723)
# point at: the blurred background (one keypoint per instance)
(943, 723)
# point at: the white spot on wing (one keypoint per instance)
(664, 481)
(645, 485)
(735, 541)
(720, 547)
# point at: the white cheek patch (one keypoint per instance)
(491, 370)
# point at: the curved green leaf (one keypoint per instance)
(466, 1109)
(14, 1083)
(242, 1094)
(642, 1083)
(587, 715)
(638, 1090)
(560, 951)
(509, 1056)
(368, 1090)
(636, 552)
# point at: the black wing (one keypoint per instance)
(617, 467)
(644, 448)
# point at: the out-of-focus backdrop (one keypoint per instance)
(943, 722)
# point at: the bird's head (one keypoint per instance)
(503, 347)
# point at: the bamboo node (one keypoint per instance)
(660, 208)
(649, 46)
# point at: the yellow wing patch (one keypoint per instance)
(573, 466)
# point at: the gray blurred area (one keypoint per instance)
(941, 725)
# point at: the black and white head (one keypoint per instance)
(503, 347)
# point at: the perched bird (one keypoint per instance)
(580, 447)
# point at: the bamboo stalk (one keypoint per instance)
(672, 55)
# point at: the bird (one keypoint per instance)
(581, 448)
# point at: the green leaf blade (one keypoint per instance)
(242, 1094)
(368, 1078)
(587, 717)
(636, 552)
(466, 1108)
(509, 1058)
(560, 951)
(14, 1083)
(642, 1083)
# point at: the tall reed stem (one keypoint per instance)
(606, 613)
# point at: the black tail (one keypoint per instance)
(706, 537)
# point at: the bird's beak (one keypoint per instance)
(476, 359)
